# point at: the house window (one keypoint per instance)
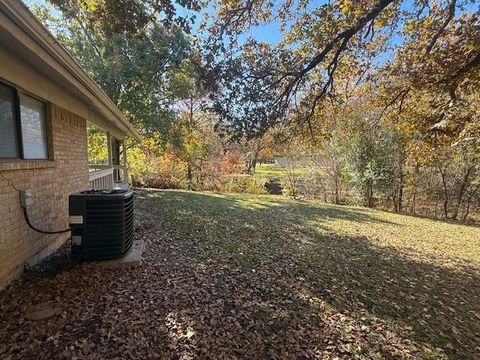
(34, 139)
(8, 124)
(22, 126)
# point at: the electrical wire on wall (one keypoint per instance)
(25, 213)
(27, 220)
(9, 181)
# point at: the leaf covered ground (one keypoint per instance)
(245, 277)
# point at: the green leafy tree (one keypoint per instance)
(136, 51)
(134, 60)
(371, 157)
(130, 17)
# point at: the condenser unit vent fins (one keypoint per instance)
(107, 228)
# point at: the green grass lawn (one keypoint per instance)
(258, 277)
(374, 284)
(276, 171)
(269, 170)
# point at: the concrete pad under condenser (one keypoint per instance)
(131, 259)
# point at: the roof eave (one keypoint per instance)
(25, 20)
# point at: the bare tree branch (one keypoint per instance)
(450, 15)
(400, 96)
(342, 38)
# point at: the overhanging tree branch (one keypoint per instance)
(450, 15)
(473, 63)
(340, 43)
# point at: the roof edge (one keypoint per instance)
(27, 21)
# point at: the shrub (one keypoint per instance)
(243, 183)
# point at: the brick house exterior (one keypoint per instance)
(33, 63)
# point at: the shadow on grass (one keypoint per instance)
(241, 277)
(276, 204)
(433, 303)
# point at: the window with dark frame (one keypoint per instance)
(22, 126)
(9, 148)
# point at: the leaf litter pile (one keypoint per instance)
(244, 277)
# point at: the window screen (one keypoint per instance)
(32, 113)
(8, 126)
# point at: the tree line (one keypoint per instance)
(375, 101)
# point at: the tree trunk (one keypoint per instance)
(369, 196)
(251, 157)
(467, 211)
(294, 188)
(461, 192)
(190, 177)
(251, 165)
(414, 202)
(394, 198)
(337, 195)
(469, 198)
(400, 192)
(445, 191)
(414, 195)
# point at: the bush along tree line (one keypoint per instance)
(373, 103)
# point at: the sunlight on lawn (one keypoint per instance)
(356, 267)
(418, 236)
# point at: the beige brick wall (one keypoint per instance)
(51, 182)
